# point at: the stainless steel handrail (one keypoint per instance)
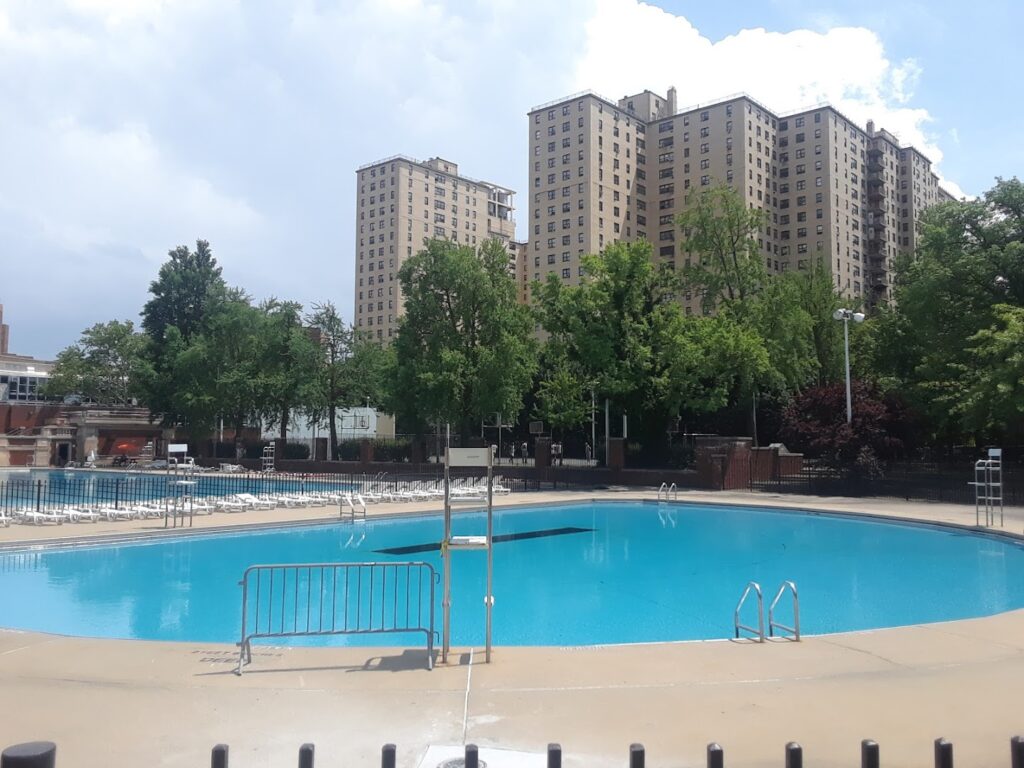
(672, 489)
(759, 631)
(663, 488)
(320, 599)
(773, 624)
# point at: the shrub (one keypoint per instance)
(814, 423)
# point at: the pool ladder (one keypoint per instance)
(773, 625)
(668, 492)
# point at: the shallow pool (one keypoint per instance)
(563, 575)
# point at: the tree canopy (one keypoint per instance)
(464, 347)
(106, 365)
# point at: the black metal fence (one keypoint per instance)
(43, 754)
(922, 481)
(62, 489)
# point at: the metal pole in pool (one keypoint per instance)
(489, 597)
(446, 598)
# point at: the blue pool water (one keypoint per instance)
(631, 572)
(70, 487)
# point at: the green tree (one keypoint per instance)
(230, 349)
(994, 399)
(563, 395)
(288, 365)
(188, 286)
(188, 291)
(623, 330)
(970, 260)
(350, 369)
(107, 365)
(464, 346)
(720, 234)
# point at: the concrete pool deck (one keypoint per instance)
(169, 703)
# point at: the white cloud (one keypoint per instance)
(846, 66)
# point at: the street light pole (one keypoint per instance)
(858, 317)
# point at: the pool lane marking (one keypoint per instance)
(465, 703)
(500, 538)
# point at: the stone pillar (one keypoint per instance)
(320, 448)
(365, 452)
(542, 452)
(616, 453)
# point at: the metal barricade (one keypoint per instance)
(319, 599)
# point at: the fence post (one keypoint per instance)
(636, 756)
(716, 755)
(943, 754)
(39, 494)
(794, 755)
(32, 754)
(555, 756)
(1017, 752)
(219, 756)
(387, 756)
(306, 756)
(472, 756)
(869, 754)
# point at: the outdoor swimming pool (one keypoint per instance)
(565, 575)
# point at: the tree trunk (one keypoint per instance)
(284, 424)
(238, 437)
(334, 430)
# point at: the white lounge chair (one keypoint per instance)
(255, 502)
(78, 514)
(231, 505)
(39, 517)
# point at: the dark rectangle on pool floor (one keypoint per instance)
(414, 548)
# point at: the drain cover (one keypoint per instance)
(459, 762)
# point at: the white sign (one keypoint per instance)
(995, 453)
(469, 457)
(177, 448)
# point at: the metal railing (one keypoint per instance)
(320, 599)
(43, 754)
(773, 624)
(737, 625)
(670, 492)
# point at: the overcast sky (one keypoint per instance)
(128, 127)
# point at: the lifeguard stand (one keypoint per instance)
(269, 459)
(181, 482)
(466, 457)
(988, 487)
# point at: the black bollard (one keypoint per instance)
(32, 754)
(794, 755)
(716, 755)
(219, 756)
(636, 756)
(868, 754)
(306, 756)
(1017, 752)
(387, 756)
(555, 756)
(943, 754)
(472, 756)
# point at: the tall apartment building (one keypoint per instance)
(602, 171)
(400, 204)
